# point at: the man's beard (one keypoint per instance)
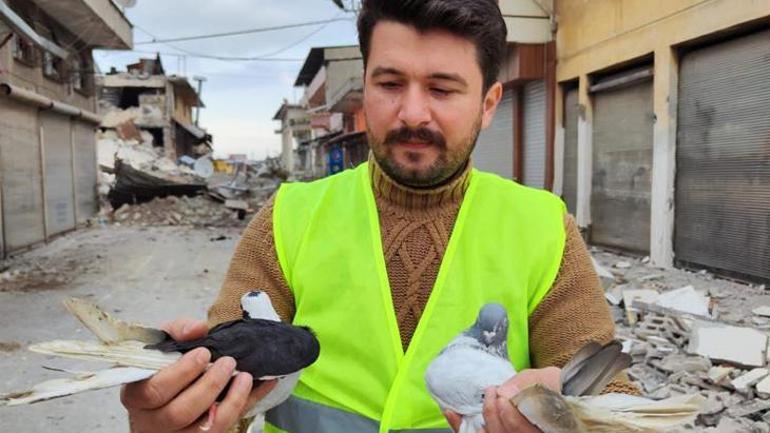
(444, 168)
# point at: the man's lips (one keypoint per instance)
(414, 144)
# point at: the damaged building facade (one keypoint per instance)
(48, 164)
(328, 127)
(145, 98)
(664, 129)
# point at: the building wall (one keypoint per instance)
(47, 159)
(598, 36)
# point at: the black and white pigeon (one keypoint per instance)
(283, 349)
(259, 342)
(478, 358)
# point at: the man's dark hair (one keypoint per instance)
(477, 20)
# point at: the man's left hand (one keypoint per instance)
(500, 415)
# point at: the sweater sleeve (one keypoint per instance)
(254, 266)
(573, 313)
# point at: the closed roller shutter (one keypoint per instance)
(494, 148)
(20, 166)
(622, 167)
(534, 134)
(722, 217)
(57, 152)
(569, 184)
(85, 170)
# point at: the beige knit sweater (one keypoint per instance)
(415, 226)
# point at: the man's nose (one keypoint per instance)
(415, 109)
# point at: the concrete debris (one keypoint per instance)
(693, 333)
(178, 211)
(686, 300)
(739, 346)
(139, 185)
(763, 311)
(743, 382)
(605, 276)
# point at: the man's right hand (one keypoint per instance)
(178, 398)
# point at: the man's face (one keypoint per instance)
(424, 102)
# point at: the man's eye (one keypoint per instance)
(441, 92)
(390, 85)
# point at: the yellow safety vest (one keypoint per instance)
(506, 247)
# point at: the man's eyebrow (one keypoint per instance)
(381, 70)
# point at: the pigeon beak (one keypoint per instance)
(489, 336)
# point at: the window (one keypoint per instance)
(24, 51)
(81, 73)
(53, 67)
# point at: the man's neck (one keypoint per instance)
(449, 192)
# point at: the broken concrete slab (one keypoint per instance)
(763, 387)
(763, 311)
(732, 344)
(743, 382)
(685, 299)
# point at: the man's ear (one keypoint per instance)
(489, 106)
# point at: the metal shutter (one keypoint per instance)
(723, 157)
(622, 167)
(494, 148)
(21, 175)
(534, 134)
(85, 170)
(57, 159)
(569, 183)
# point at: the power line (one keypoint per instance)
(241, 32)
(262, 58)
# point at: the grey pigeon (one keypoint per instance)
(473, 361)
(478, 358)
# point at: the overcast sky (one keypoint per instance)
(241, 97)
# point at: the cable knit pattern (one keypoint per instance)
(415, 227)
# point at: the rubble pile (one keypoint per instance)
(173, 211)
(691, 333)
(139, 185)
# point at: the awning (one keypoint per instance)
(347, 138)
(195, 131)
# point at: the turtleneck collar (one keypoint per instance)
(451, 192)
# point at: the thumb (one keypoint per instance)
(454, 420)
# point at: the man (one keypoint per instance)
(387, 262)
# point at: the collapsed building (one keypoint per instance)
(145, 98)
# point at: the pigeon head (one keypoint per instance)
(257, 305)
(491, 328)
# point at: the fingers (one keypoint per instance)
(511, 419)
(196, 399)
(453, 419)
(158, 390)
(259, 393)
(229, 411)
(492, 422)
(185, 329)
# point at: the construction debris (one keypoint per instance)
(179, 211)
(139, 185)
(741, 346)
(688, 333)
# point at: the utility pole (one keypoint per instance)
(200, 81)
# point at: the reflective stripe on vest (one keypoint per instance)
(506, 247)
(298, 415)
